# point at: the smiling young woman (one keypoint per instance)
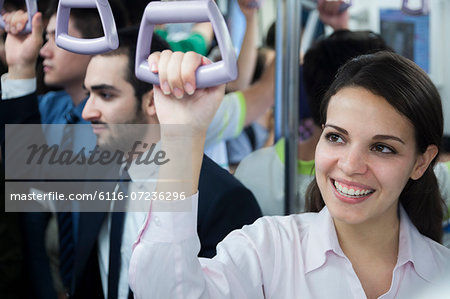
(383, 125)
(382, 120)
(377, 207)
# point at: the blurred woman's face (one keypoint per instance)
(365, 156)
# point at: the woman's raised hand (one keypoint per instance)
(177, 100)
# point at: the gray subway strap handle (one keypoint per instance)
(187, 12)
(255, 4)
(91, 45)
(31, 10)
(312, 4)
(423, 10)
(345, 5)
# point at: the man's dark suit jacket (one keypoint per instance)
(224, 205)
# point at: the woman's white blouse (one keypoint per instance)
(295, 256)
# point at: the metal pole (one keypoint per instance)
(280, 40)
(287, 92)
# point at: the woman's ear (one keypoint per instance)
(423, 161)
(148, 104)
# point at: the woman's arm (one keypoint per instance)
(249, 48)
(164, 263)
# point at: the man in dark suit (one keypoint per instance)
(116, 96)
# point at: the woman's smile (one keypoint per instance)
(351, 192)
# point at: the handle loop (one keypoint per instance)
(91, 45)
(187, 12)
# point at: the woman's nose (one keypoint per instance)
(353, 161)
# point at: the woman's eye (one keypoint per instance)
(334, 138)
(381, 148)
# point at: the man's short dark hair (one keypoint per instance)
(127, 46)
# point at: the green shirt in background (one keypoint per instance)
(194, 42)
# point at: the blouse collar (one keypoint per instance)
(414, 248)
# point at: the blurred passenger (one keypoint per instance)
(259, 133)
(248, 54)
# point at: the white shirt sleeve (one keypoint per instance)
(164, 263)
(228, 121)
(16, 88)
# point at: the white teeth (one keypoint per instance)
(351, 192)
(338, 187)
